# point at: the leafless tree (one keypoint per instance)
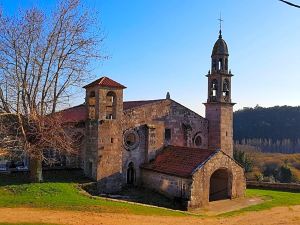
(43, 59)
(291, 4)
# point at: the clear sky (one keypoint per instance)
(157, 46)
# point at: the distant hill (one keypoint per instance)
(274, 129)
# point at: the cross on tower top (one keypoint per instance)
(220, 20)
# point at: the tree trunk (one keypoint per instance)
(36, 172)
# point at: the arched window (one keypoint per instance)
(198, 140)
(226, 88)
(130, 174)
(214, 65)
(91, 104)
(214, 89)
(220, 65)
(111, 105)
(226, 64)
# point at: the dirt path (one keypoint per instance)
(282, 215)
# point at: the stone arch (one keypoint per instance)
(226, 64)
(220, 64)
(214, 89)
(220, 184)
(131, 174)
(226, 87)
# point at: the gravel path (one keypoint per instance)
(280, 215)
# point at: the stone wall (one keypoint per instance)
(150, 122)
(274, 186)
(170, 186)
(185, 126)
(201, 179)
(90, 155)
(146, 122)
(220, 117)
(109, 167)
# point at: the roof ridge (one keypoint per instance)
(102, 79)
(105, 82)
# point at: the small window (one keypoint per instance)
(109, 116)
(111, 140)
(92, 94)
(167, 134)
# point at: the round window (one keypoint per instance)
(131, 139)
(198, 141)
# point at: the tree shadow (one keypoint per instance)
(49, 175)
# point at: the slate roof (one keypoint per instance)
(179, 161)
(105, 82)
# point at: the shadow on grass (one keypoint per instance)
(141, 195)
(65, 176)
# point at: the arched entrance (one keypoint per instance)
(130, 174)
(220, 185)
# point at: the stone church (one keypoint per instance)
(160, 144)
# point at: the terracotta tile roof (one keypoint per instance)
(75, 114)
(134, 104)
(179, 161)
(105, 82)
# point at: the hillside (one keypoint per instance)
(274, 129)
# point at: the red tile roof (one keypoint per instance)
(105, 82)
(179, 161)
(75, 114)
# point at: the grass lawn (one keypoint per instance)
(63, 193)
(60, 191)
(272, 199)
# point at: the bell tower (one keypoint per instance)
(219, 108)
(103, 145)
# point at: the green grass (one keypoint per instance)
(272, 199)
(66, 195)
(60, 191)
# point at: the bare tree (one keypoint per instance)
(291, 4)
(42, 62)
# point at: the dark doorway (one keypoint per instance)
(130, 174)
(220, 185)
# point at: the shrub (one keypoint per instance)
(244, 160)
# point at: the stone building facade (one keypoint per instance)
(160, 144)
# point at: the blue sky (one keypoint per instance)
(157, 46)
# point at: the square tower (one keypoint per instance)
(103, 148)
